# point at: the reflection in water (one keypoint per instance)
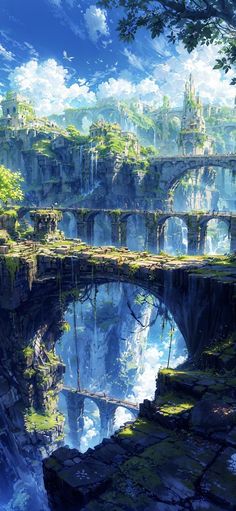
(116, 358)
(113, 342)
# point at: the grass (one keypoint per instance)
(42, 422)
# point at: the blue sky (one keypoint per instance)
(62, 53)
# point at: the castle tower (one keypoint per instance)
(16, 111)
(193, 139)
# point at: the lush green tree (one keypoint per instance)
(194, 22)
(10, 185)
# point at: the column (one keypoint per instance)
(115, 229)
(123, 232)
(203, 235)
(75, 410)
(90, 230)
(45, 222)
(107, 412)
(233, 235)
(151, 227)
(82, 218)
(161, 237)
(193, 226)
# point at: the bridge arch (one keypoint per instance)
(216, 232)
(102, 229)
(136, 231)
(68, 224)
(182, 171)
(173, 233)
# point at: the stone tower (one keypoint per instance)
(193, 139)
(16, 111)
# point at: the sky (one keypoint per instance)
(67, 53)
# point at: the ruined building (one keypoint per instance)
(193, 139)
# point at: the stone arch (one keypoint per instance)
(183, 168)
(136, 231)
(219, 240)
(68, 224)
(102, 234)
(173, 234)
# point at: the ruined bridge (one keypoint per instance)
(155, 223)
(107, 407)
(168, 171)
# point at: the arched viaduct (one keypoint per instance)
(155, 222)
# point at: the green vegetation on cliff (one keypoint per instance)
(10, 186)
(42, 422)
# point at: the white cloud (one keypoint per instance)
(45, 85)
(213, 85)
(121, 88)
(6, 54)
(55, 3)
(133, 60)
(96, 22)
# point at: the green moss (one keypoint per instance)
(29, 373)
(43, 147)
(42, 422)
(13, 265)
(28, 352)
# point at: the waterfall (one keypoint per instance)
(154, 137)
(91, 176)
(81, 149)
(96, 166)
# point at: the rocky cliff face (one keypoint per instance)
(59, 171)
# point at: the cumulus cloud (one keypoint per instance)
(96, 23)
(6, 54)
(213, 85)
(121, 88)
(46, 86)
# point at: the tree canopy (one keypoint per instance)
(194, 22)
(10, 185)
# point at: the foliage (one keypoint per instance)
(194, 23)
(10, 189)
(44, 147)
(75, 136)
(41, 421)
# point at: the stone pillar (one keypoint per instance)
(233, 235)
(84, 225)
(193, 226)
(75, 410)
(123, 232)
(115, 229)
(161, 237)
(90, 230)
(203, 235)
(107, 413)
(151, 227)
(45, 223)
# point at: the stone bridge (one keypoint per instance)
(107, 407)
(199, 293)
(155, 223)
(167, 171)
